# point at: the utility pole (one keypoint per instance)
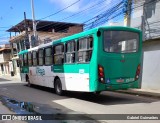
(127, 18)
(27, 44)
(33, 19)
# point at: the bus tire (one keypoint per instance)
(58, 87)
(28, 81)
(97, 92)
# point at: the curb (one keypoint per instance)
(141, 93)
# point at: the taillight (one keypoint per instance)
(101, 73)
(138, 72)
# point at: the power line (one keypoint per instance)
(74, 14)
(79, 13)
(60, 10)
(117, 15)
(82, 10)
(91, 18)
(51, 14)
(104, 17)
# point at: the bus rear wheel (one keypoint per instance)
(58, 87)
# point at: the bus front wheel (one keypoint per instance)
(58, 87)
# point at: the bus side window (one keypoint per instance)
(41, 57)
(30, 59)
(70, 52)
(85, 46)
(59, 54)
(90, 40)
(48, 56)
(34, 58)
(25, 59)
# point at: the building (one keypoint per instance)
(146, 17)
(46, 31)
(5, 59)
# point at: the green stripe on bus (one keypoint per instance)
(23, 52)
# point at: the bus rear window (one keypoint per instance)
(121, 41)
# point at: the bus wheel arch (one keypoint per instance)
(58, 86)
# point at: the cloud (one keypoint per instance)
(65, 3)
(82, 4)
(107, 2)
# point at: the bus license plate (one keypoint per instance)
(120, 80)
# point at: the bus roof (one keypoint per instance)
(23, 52)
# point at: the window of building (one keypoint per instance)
(41, 57)
(22, 44)
(25, 60)
(59, 54)
(85, 46)
(34, 53)
(30, 59)
(70, 52)
(48, 56)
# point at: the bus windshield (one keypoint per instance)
(120, 41)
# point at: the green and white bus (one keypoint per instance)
(103, 58)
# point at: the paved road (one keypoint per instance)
(106, 103)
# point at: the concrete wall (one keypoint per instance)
(75, 29)
(1, 58)
(4, 61)
(151, 11)
(151, 64)
(5, 57)
(6, 70)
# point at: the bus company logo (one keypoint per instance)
(40, 71)
(6, 117)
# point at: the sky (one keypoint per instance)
(12, 11)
